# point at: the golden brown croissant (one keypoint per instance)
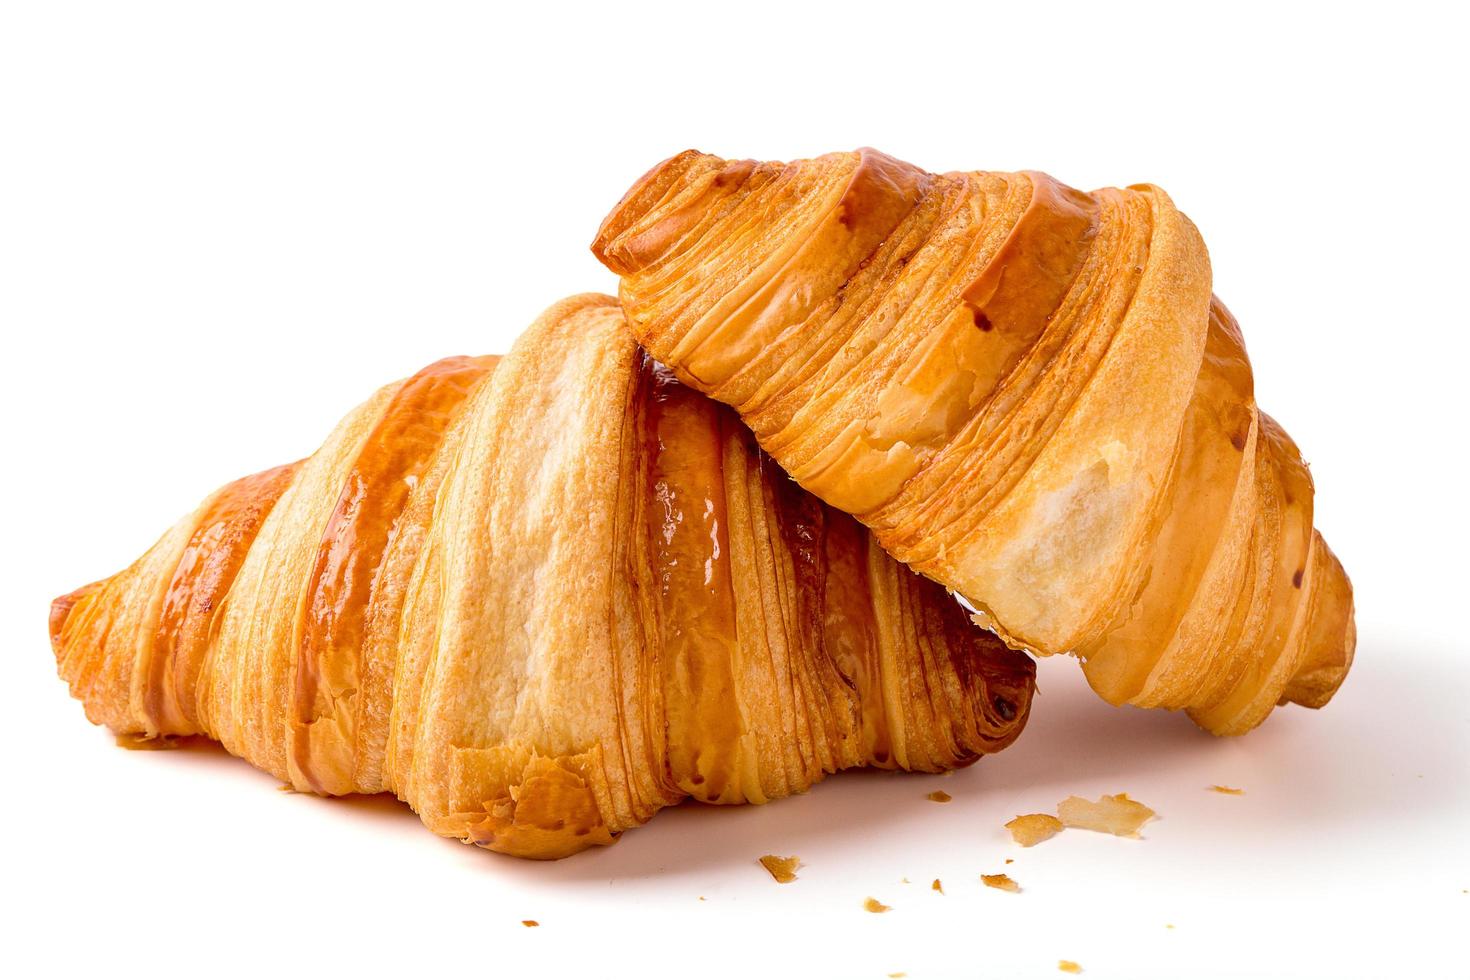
(539, 600)
(1027, 392)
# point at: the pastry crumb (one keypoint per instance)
(783, 869)
(1067, 966)
(1168, 925)
(905, 881)
(895, 976)
(530, 923)
(1117, 815)
(1010, 860)
(1030, 829)
(937, 886)
(285, 788)
(873, 905)
(940, 796)
(1228, 790)
(1004, 882)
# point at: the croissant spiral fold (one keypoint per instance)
(1027, 392)
(538, 598)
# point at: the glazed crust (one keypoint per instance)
(1029, 394)
(538, 598)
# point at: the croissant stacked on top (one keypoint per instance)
(539, 598)
(1026, 391)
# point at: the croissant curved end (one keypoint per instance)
(61, 608)
(1028, 392)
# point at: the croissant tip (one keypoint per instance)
(61, 608)
(631, 206)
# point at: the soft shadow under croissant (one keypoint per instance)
(1027, 392)
(538, 600)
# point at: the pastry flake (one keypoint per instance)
(871, 904)
(1002, 881)
(1117, 815)
(1031, 829)
(783, 869)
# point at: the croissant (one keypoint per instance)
(538, 598)
(1027, 392)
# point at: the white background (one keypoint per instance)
(221, 226)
